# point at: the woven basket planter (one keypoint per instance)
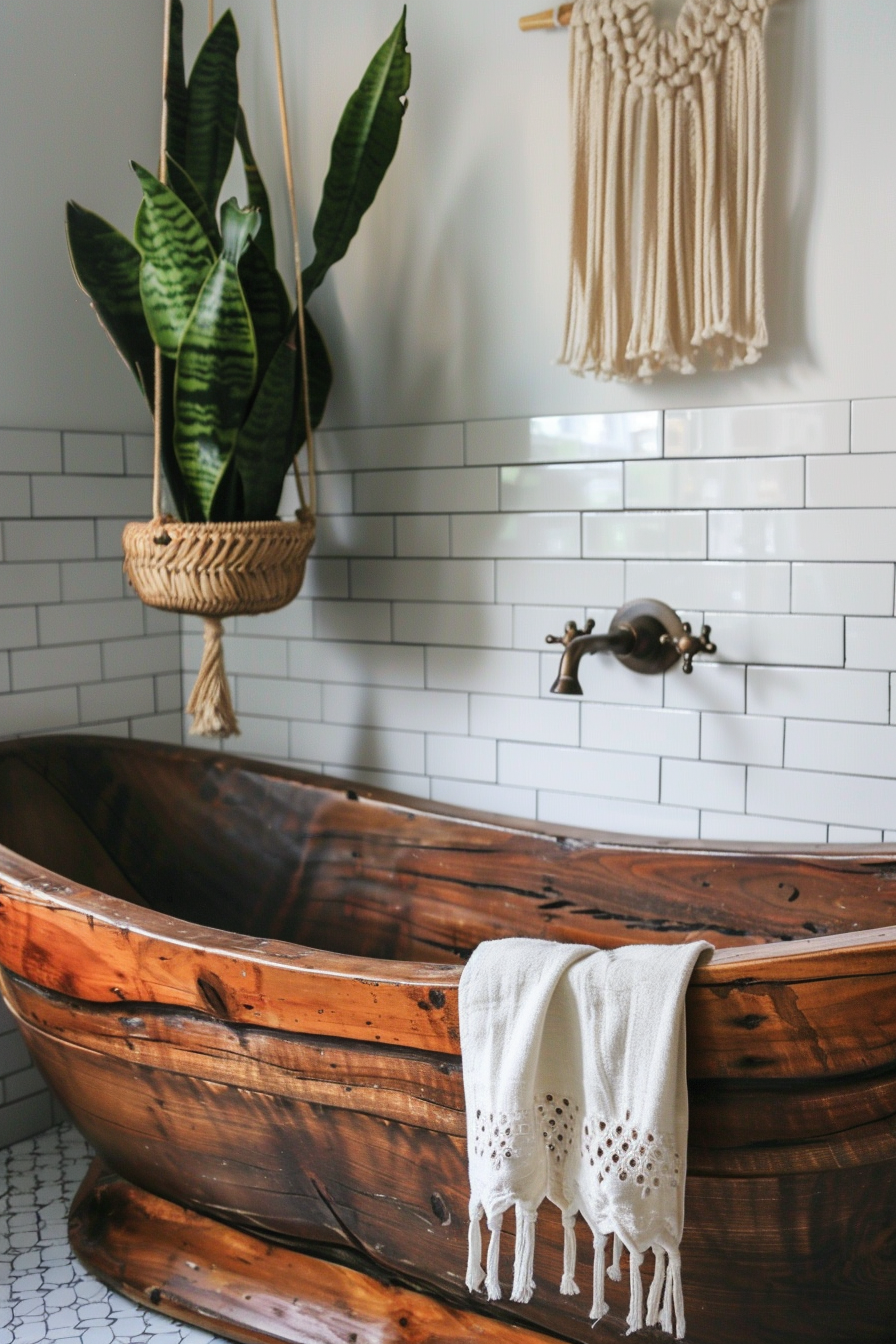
(216, 570)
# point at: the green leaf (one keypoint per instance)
(363, 147)
(258, 195)
(213, 102)
(107, 267)
(268, 303)
(177, 257)
(320, 376)
(176, 87)
(263, 449)
(183, 186)
(216, 366)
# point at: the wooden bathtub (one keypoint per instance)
(241, 980)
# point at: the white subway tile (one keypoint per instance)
(562, 486)
(38, 711)
(116, 699)
(394, 781)
(5, 681)
(853, 835)
(62, 539)
(22, 585)
(134, 657)
(344, 534)
(156, 621)
(666, 536)
(841, 748)
(391, 446)
(292, 622)
(355, 663)
(13, 1054)
(138, 454)
(870, 642)
(703, 784)
(169, 698)
(722, 483)
(84, 580)
(516, 534)
(15, 497)
(108, 536)
(390, 707)
(490, 670)
(93, 454)
(626, 818)
(162, 728)
(89, 497)
(730, 826)
(364, 748)
(500, 799)
(802, 534)
(874, 426)
(326, 578)
(604, 680)
(757, 431)
(571, 769)
(260, 737)
(719, 585)
(424, 580)
(447, 490)
(18, 627)
(242, 654)
(22, 1119)
(73, 622)
(422, 535)
(473, 758)
(30, 450)
(565, 438)
(35, 668)
(26, 1083)
(654, 732)
(513, 718)
(862, 480)
(531, 625)
(811, 796)
(710, 686)
(474, 624)
(747, 739)
(353, 620)
(277, 697)
(805, 641)
(818, 693)
(334, 494)
(854, 590)
(591, 583)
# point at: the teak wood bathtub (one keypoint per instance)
(242, 981)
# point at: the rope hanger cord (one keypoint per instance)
(308, 505)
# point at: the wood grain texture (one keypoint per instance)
(243, 986)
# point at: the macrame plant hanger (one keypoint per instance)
(215, 570)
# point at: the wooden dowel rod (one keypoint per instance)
(546, 18)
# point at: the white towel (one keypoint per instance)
(576, 1092)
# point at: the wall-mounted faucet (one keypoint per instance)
(645, 635)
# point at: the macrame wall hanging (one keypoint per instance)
(669, 164)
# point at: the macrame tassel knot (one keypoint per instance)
(475, 1272)
(210, 702)
(568, 1285)
(524, 1259)
(599, 1306)
(493, 1260)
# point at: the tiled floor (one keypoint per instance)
(44, 1292)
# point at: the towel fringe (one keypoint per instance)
(599, 1306)
(475, 1272)
(524, 1257)
(655, 1296)
(615, 1270)
(636, 1293)
(493, 1260)
(673, 1285)
(568, 1285)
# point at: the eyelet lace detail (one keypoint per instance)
(620, 1151)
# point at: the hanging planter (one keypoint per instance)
(237, 377)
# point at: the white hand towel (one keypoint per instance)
(576, 1091)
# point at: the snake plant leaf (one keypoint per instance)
(363, 147)
(268, 303)
(177, 258)
(212, 105)
(263, 449)
(320, 376)
(107, 267)
(216, 365)
(258, 195)
(176, 87)
(185, 504)
(182, 185)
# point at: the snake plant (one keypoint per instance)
(202, 283)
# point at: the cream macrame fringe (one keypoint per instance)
(669, 154)
(210, 702)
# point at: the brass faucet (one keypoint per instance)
(645, 635)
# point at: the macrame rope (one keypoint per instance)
(669, 152)
(157, 357)
(210, 702)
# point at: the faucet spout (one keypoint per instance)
(645, 635)
(619, 639)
